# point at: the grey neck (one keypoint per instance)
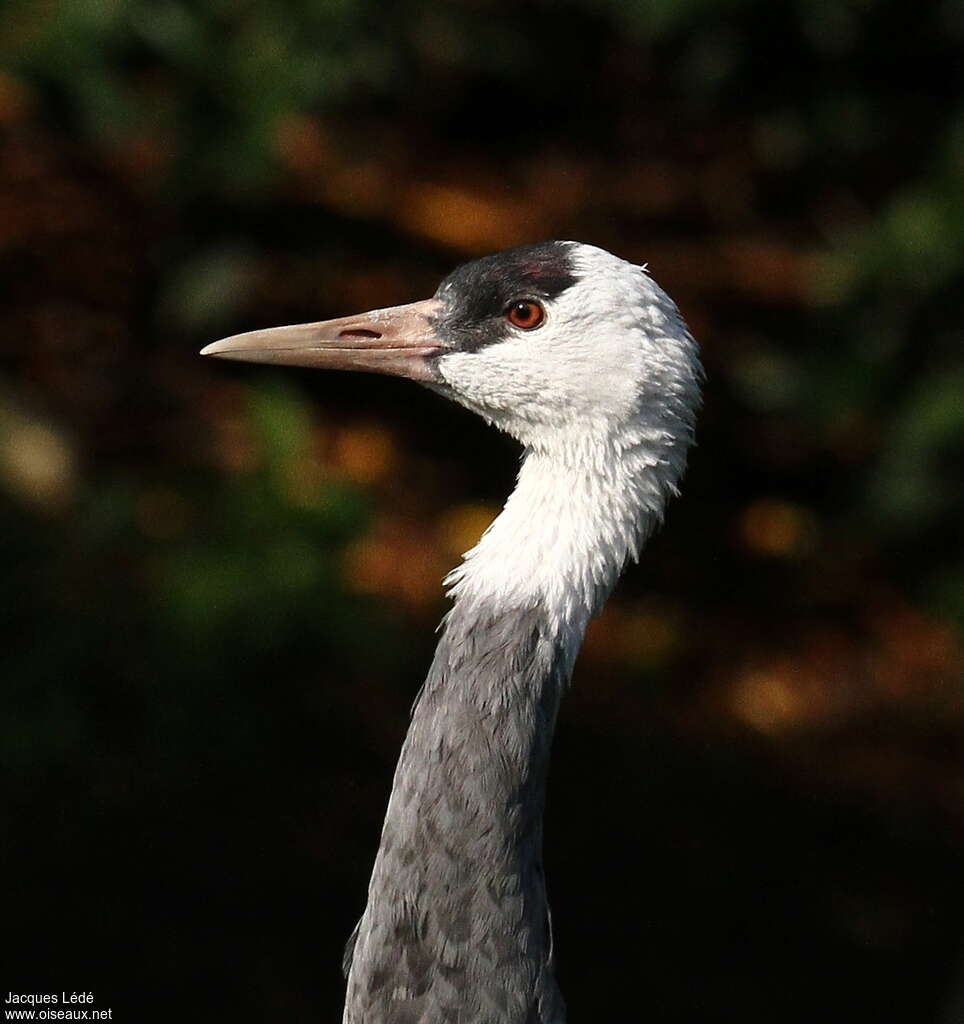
(456, 926)
(457, 923)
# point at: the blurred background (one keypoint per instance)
(220, 582)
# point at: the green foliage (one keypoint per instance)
(208, 82)
(154, 590)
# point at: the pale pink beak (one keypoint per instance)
(400, 341)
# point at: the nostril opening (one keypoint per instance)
(358, 332)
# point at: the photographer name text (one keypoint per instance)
(47, 998)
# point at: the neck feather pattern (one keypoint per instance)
(575, 519)
(457, 923)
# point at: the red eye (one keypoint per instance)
(525, 314)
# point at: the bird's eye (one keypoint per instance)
(525, 314)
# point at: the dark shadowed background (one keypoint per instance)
(219, 582)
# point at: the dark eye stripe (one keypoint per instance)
(477, 296)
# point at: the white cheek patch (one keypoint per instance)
(563, 373)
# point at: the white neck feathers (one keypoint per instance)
(574, 520)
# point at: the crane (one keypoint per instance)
(586, 361)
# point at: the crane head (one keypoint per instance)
(555, 343)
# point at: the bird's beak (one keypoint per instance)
(400, 341)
